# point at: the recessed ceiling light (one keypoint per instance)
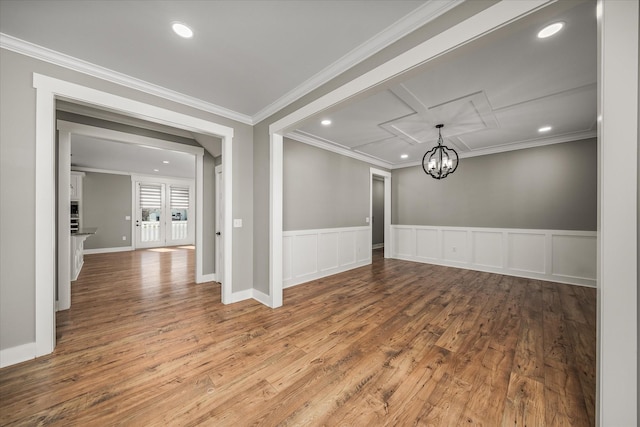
(156, 170)
(166, 162)
(325, 122)
(182, 30)
(544, 129)
(404, 156)
(550, 30)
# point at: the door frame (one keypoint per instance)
(219, 221)
(387, 207)
(48, 90)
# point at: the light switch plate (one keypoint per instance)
(127, 218)
(366, 220)
(237, 223)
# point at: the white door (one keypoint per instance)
(150, 216)
(180, 224)
(219, 225)
(164, 214)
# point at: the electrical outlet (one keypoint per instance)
(124, 237)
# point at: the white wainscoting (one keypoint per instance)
(555, 255)
(311, 254)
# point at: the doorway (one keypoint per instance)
(48, 90)
(183, 191)
(380, 209)
(163, 214)
(377, 212)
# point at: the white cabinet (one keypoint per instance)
(77, 250)
(75, 186)
(77, 255)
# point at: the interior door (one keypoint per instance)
(150, 216)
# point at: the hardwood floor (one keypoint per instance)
(394, 343)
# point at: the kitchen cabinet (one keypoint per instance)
(77, 250)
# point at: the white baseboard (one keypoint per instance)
(108, 250)
(377, 246)
(241, 295)
(263, 298)
(325, 273)
(563, 256)
(17, 354)
(211, 277)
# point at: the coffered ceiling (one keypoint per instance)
(492, 95)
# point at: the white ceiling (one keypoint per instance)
(245, 55)
(95, 153)
(249, 58)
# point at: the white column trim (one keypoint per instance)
(227, 178)
(45, 304)
(199, 217)
(617, 335)
(276, 226)
(64, 228)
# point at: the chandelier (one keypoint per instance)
(441, 160)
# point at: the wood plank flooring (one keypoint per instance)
(394, 343)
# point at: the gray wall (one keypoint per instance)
(323, 189)
(550, 187)
(261, 153)
(17, 187)
(377, 211)
(106, 200)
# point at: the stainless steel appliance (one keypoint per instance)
(75, 217)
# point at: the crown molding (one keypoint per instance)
(316, 142)
(532, 143)
(51, 56)
(310, 139)
(404, 26)
(521, 145)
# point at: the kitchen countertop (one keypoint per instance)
(88, 231)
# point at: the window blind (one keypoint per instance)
(150, 196)
(179, 197)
